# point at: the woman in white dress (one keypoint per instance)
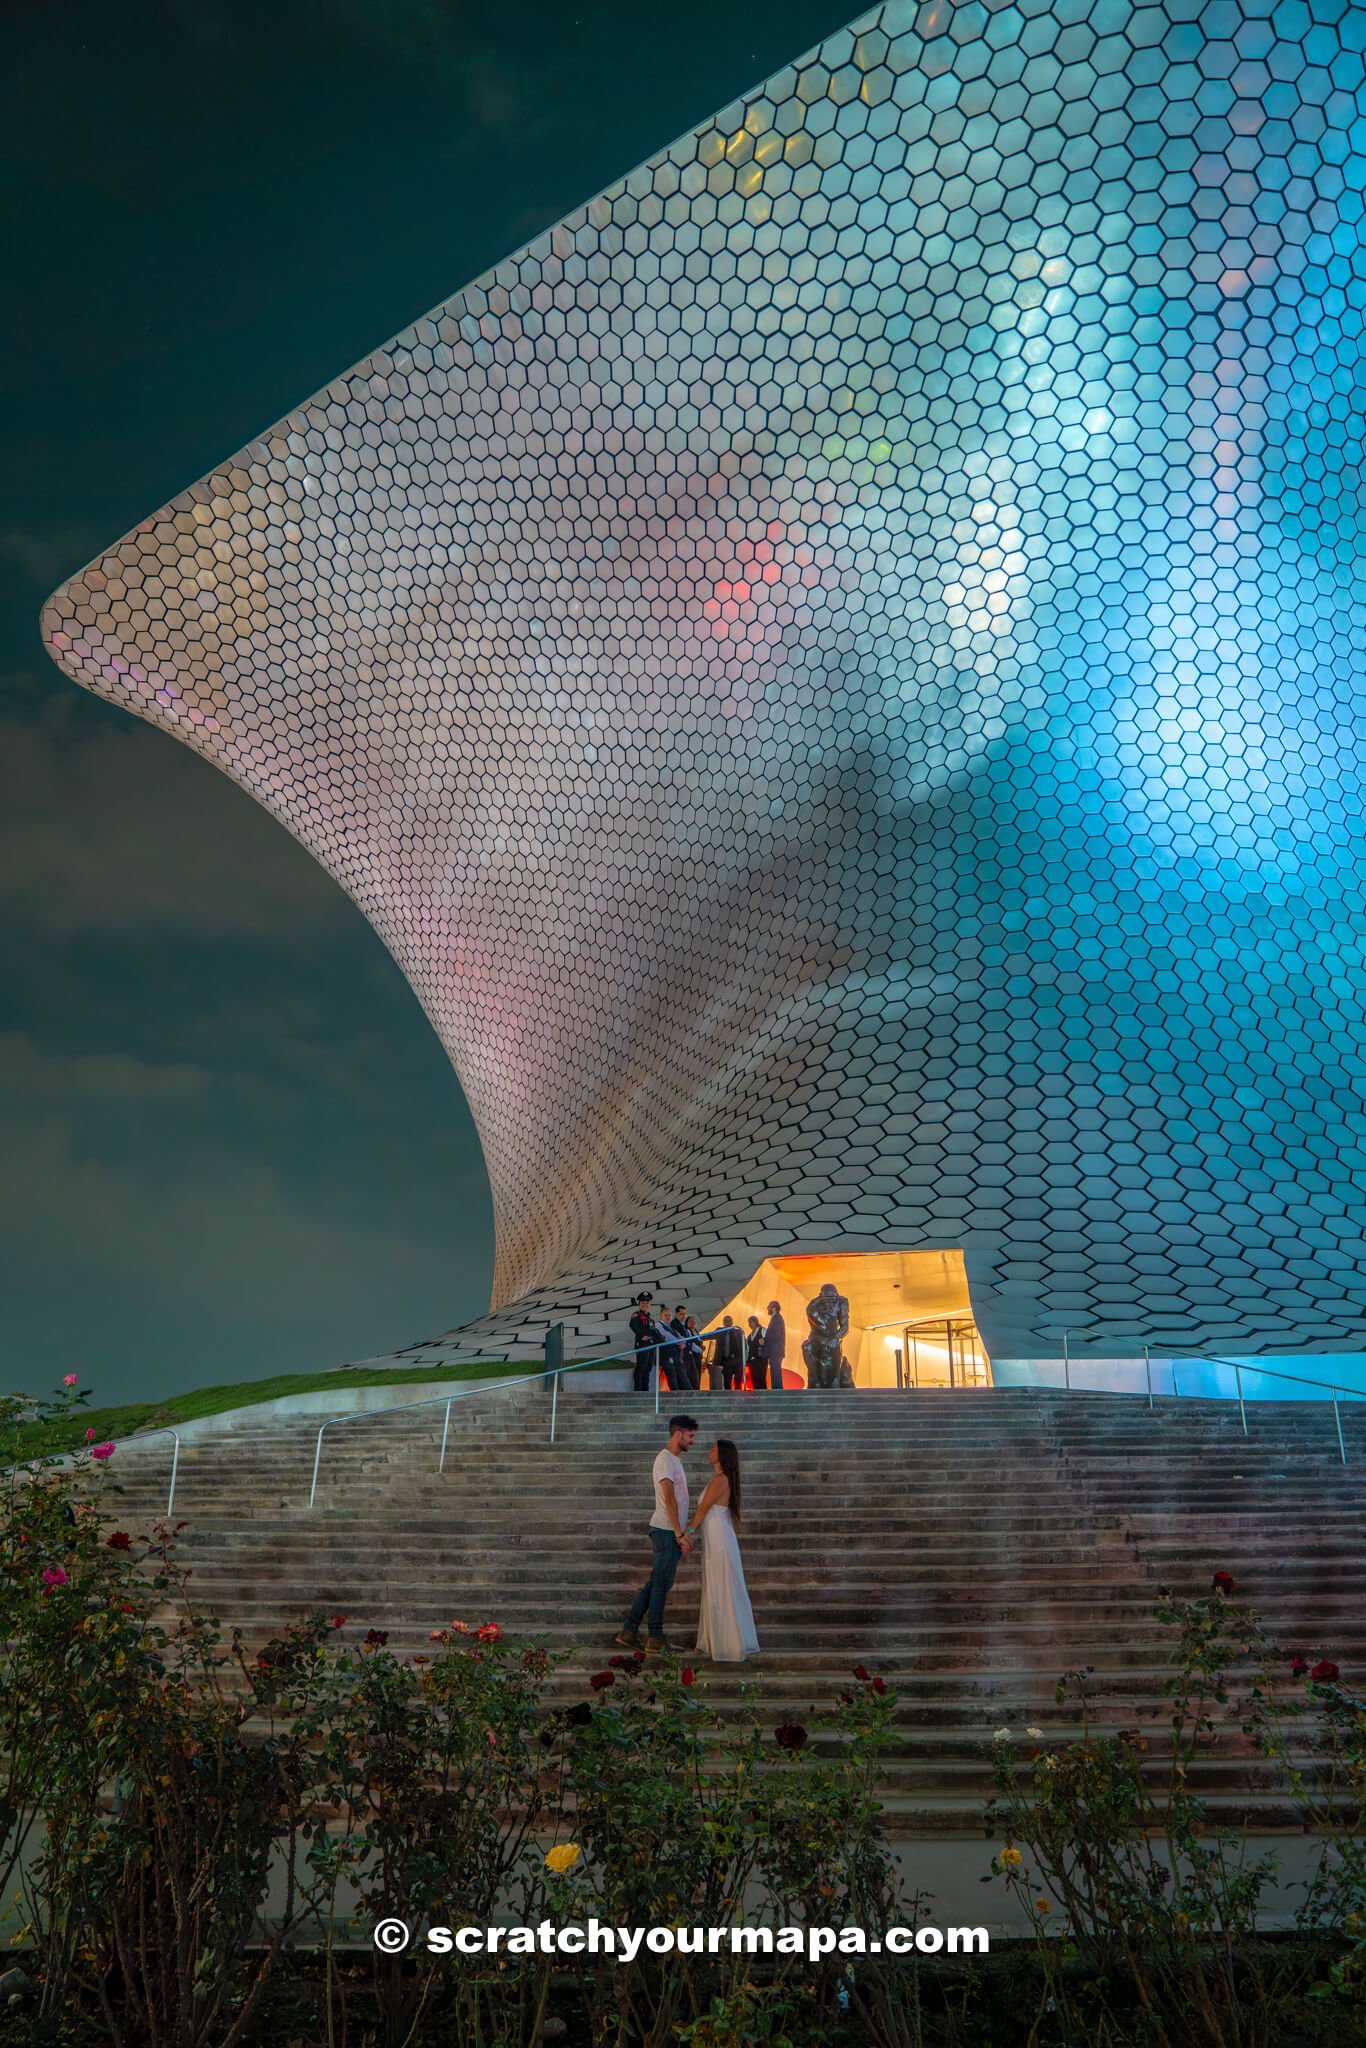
(725, 1626)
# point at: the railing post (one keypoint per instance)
(317, 1460)
(175, 1467)
(1066, 1364)
(655, 1349)
(445, 1432)
(1148, 1376)
(554, 1359)
(1238, 1375)
(1337, 1418)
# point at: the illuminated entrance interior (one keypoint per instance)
(910, 1319)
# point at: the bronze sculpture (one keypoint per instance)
(823, 1346)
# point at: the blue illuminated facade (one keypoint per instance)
(838, 673)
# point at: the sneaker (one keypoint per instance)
(627, 1639)
(660, 1646)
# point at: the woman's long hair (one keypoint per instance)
(730, 1465)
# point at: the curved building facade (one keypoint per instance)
(837, 672)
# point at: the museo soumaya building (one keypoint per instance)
(837, 672)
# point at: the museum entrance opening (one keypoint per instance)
(910, 1322)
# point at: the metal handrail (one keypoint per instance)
(523, 1380)
(1238, 1366)
(143, 1436)
(1295, 1380)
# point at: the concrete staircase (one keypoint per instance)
(969, 1546)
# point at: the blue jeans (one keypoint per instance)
(655, 1591)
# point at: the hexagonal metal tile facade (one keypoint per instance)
(837, 672)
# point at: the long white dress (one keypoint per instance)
(725, 1625)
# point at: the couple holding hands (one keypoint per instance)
(725, 1627)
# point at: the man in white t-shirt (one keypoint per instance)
(669, 1540)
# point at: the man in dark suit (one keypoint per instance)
(775, 1346)
(683, 1373)
(729, 1354)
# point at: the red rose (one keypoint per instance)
(120, 1540)
(688, 1674)
(790, 1736)
(879, 1685)
(602, 1679)
(861, 1673)
(846, 1699)
(489, 1632)
(376, 1638)
(1325, 1672)
(1223, 1583)
(339, 1621)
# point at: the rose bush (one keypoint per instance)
(159, 1779)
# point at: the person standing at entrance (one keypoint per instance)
(676, 1357)
(669, 1540)
(692, 1354)
(729, 1355)
(754, 1356)
(645, 1336)
(775, 1346)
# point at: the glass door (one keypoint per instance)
(942, 1351)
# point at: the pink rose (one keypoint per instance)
(102, 1451)
(54, 1576)
(69, 1379)
(90, 1436)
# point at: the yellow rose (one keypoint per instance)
(1010, 1857)
(1042, 1906)
(562, 1857)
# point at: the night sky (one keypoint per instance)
(230, 1144)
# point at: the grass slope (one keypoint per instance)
(114, 1423)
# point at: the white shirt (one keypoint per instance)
(667, 1466)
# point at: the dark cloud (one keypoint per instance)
(108, 829)
(33, 1079)
(163, 1198)
(45, 559)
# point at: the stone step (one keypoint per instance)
(936, 1648)
(970, 1549)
